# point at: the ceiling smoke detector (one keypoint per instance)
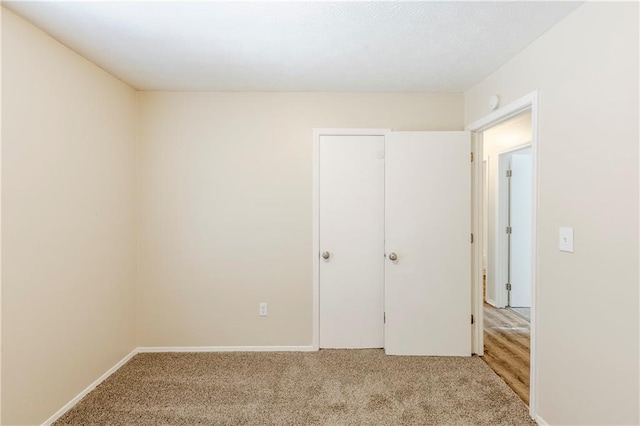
(494, 101)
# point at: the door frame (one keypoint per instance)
(527, 102)
(315, 248)
(502, 239)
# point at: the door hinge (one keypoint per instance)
(508, 230)
(472, 320)
(508, 286)
(471, 238)
(384, 317)
(472, 157)
(509, 173)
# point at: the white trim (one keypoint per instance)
(501, 115)
(533, 381)
(477, 248)
(69, 405)
(315, 249)
(541, 421)
(155, 349)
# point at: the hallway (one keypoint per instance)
(507, 348)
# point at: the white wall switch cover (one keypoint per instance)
(566, 239)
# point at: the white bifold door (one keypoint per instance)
(351, 241)
(428, 231)
(394, 233)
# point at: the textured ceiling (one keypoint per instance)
(297, 46)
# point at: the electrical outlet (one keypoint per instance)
(263, 309)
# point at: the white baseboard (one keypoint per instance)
(150, 349)
(492, 302)
(541, 421)
(89, 388)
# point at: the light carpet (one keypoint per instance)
(329, 387)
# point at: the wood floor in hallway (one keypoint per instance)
(507, 348)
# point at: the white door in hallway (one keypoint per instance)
(520, 190)
(428, 225)
(351, 218)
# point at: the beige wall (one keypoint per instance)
(1, 11)
(68, 222)
(225, 201)
(224, 207)
(586, 71)
(499, 139)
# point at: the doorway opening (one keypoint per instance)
(505, 259)
(507, 250)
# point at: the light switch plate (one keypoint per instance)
(566, 239)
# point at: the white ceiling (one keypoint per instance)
(297, 46)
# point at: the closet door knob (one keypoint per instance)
(326, 255)
(393, 257)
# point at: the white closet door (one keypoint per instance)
(352, 235)
(520, 190)
(428, 221)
